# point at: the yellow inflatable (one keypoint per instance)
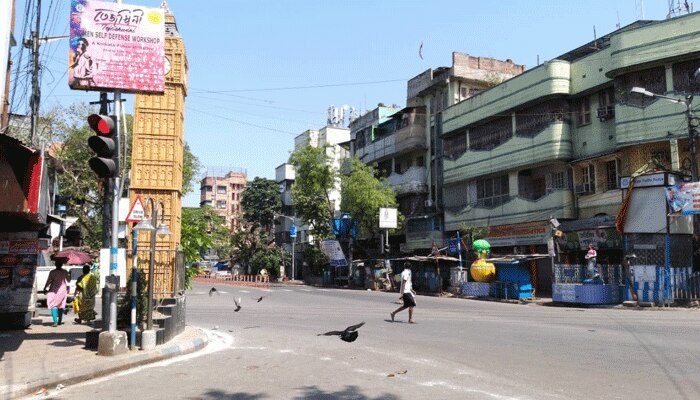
(480, 270)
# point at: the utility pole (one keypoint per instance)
(36, 90)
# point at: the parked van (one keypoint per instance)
(42, 274)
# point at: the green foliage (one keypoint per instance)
(316, 259)
(363, 194)
(269, 260)
(472, 233)
(203, 229)
(249, 240)
(315, 178)
(261, 201)
(191, 272)
(190, 169)
(124, 304)
(79, 189)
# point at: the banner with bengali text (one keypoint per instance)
(116, 46)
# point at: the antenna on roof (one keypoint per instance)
(618, 20)
(639, 8)
(676, 8)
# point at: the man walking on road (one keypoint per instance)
(407, 293)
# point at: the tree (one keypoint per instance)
(79, 189)
(203, 229)
(254, 248)
(260, 202)
(362, 194)
(190, 169)
(315, 178)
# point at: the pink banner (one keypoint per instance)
(116, 47)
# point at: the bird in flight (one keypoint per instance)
(212, 291)
(237, 301)
(348, 335)
(259, 299)
(420, 50)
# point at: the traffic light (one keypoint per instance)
(105, 144)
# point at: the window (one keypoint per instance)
(653, 80)
(558, 180)
(606, 104)
(455, 146)
(532, 120)
(583, 111)
(221, 204)
(221, 189)
(587, 180)
(207, 188)
(611, 173)
(684, 77)
(492, 192)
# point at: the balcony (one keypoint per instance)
(410, 181)
(557, 204)
(409, 138)
(550, 78)
(285, 172)
(659, 40)
(652, 123)
(553, 143)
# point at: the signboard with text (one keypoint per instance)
(335, 254)
(388, 218)
(684, 198)
(116, 46)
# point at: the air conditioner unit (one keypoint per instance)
(428, 203)
(583, 188)
(606, 112)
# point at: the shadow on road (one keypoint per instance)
(220, 394)
(350, 392)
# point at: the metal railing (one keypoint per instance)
(611, 274)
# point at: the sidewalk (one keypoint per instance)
(43, 357)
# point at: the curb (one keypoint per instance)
(136, 360)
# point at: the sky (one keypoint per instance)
(262, 72)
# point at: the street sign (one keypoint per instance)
(293, 231)
(452, 246)
(137, 211)
(387, 218)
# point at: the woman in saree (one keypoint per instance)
(57, 291)
(85, 292)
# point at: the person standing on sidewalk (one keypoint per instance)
(407, 293)
(85, 292)
(57, 291)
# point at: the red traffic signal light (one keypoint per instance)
(105, 144)
(102, 124)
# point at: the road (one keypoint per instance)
(458, 349)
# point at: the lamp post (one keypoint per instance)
(149, 224)
(292, 237)
(693, 122)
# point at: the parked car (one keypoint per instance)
(42, 274)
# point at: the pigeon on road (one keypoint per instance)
(212, 291)
(237, 300)
(348, 335)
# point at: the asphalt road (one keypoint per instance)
(458, 349)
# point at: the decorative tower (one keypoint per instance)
(156, 160)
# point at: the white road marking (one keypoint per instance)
(458, 388)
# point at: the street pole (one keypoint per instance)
(151, 265)
(691, 138)
(294, 239)
(36, 90)
(134, 286)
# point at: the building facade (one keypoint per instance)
(223, 193)
(554, 141)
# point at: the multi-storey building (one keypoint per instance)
(223, 193)
(405, 143)
(554, 141)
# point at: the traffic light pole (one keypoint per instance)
(114, 248)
